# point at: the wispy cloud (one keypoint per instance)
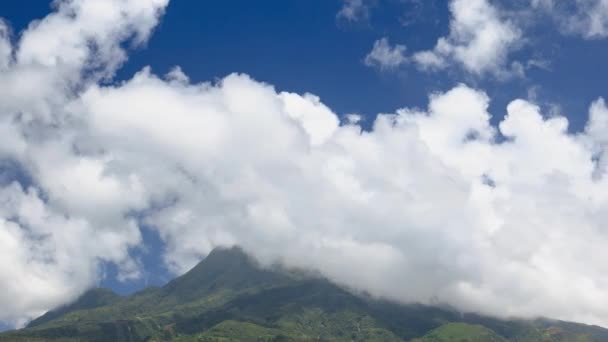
(587, 18)
(354, 10)
(384, 56)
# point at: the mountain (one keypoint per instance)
(461, 332)
(228, 297)
(89, 300)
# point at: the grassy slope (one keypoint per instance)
(461, 332)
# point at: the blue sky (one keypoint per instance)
(549, 54)
(301, 46)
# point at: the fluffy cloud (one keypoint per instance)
(52, 234)
(426, 206)
(384, 56)
(480, 40)
(510, 228)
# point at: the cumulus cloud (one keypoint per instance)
(509, 228)
(425, 206)
(52, 235)
(479, 41)
(384, 56)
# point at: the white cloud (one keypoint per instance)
(353, 118)
(353, 10)
(384, 56)
(430, 60)
(596, 133)
(411, 195)
(588, 18)
(52, 233)
(480, 40)
(86, 34)
(425, 206)
(48, 258)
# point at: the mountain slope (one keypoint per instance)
(227, 297)
(461, 332)
(223, 269)
(91, 299)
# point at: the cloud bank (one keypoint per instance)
(433, 205)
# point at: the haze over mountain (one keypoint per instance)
(228, 297)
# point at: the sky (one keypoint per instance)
(423, 151)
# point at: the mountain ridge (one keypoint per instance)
(229, 297)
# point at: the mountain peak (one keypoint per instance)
(227, 253)
(228, 269)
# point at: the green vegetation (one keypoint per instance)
(461, 332)
(91, 299)
(228, 298)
